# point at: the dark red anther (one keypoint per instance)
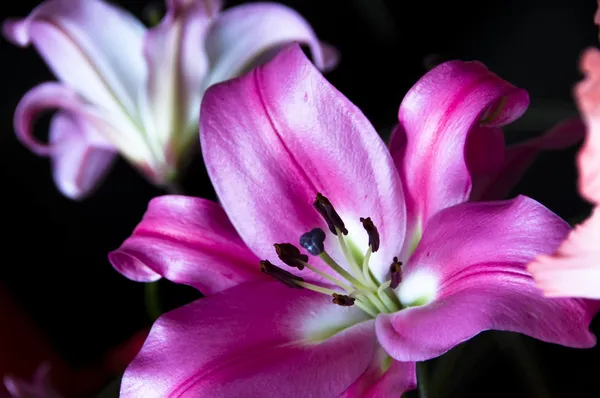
(291, 255)
(326, 210)
(395, 273)
(280, 274)
(372, 232)
(343, 300)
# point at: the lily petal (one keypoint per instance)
(177, 66)
(574, 270)
(436, 117)
(281, 134)
(186, 240)
(518, 158)
(383, 378)
(73, 39)
(253, 340)
(485, 156)
(242, 34)
(78, 165)
(469, 269)
(40, 98)
(98, 126)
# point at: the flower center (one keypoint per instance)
(354, 285)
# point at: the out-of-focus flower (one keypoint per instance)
(135, 91)
(406, 270)
(574, 269)
(39, 387)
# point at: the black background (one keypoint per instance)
(54, 250)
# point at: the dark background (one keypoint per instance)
(54, 250)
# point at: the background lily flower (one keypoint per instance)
(135, 91)
(290, 158)
(574, 269)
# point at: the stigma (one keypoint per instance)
(351, 285)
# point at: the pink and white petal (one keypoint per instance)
(104, 131)
(243, 33)
(177, 66)
(281, 134)
(469, 274)
(436, 116)
(383, 378)
(78, 166)
(587, 94)
(253, 340)
(187, 240)
(574, 269)
(518, 158)
(39, 99)
(104, 65)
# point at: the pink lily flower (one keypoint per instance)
(574, 269)
(40, 387)
(397, 267)
(135, 91)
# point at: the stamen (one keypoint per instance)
(378, 303)
(342, 272)
(330, 278)
(365, 265)
(312, 241)
(343, 300)
(366, 308)
(363, 300)
(291, 255)
(383, 286)
(395, 273)
(358, 293)
(387, 301)
(372, 232)
(315, 288)
(352, 261)
(331, 217)
(282, 275)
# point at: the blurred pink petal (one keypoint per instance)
(574, 269)
(588, 99)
